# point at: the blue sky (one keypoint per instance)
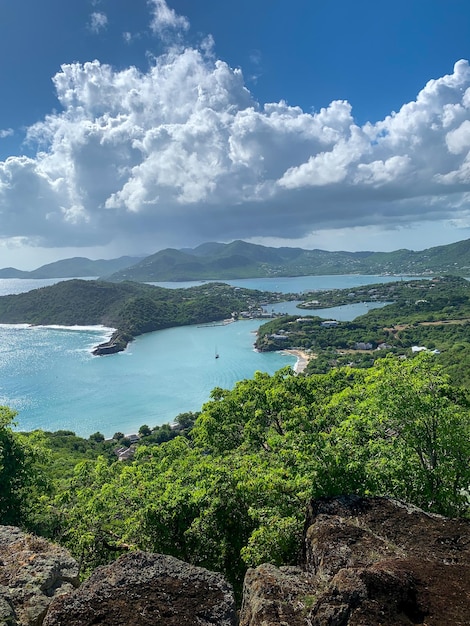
(127, 127)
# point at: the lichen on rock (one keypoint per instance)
(33, 572)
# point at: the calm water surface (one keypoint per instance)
(50, 377)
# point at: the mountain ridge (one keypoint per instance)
(73, 267)
(240, 259)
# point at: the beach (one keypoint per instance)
(302, 359)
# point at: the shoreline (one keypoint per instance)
(302, 358)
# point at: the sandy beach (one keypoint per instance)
(302, 359)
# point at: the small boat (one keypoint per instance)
(216, 354)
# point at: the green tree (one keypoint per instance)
(144, 430)
(401, 430)
(21, 481)
(97, 437)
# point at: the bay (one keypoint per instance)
(50, 377)
(297, 284)
(54, 382)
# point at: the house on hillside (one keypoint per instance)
(363, 345)
(124, 454)
(133, 438)
(329, 324)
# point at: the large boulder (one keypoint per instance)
(367, 561)
(33, 572)
(141, 589)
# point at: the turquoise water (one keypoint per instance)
(340, 313)
(51, 378)
(298, 284)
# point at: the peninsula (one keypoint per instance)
(430, 315)
(131, 308)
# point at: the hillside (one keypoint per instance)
(130, 307)
(239, 259)
(73, 268)
(217, 261)
(433, 315)
(230, 493)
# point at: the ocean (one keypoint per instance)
(49, 376)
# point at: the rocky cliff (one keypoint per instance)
(365, 562)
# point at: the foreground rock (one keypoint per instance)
(32, 573)
(367, 562)
(142, 589)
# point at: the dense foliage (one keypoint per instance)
(229, 489)
(21, 477)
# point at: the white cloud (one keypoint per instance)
(380, 172)
(6, 132)
(182, 153)
(98, 22)
(165, 19)
(458, 139)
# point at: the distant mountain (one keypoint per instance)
(72, 268)
(239, 259)
(12, 272)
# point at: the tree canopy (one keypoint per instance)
(231, 491)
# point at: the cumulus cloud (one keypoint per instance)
(182, 153)
(6, 132)
(98, 22)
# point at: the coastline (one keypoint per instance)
(302, 358)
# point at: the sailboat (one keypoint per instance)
(216, 354)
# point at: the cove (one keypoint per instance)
(51, 378)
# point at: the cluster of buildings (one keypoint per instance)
(124, 453)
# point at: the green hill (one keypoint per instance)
(73, 268)
(239, 259)
(130, 307)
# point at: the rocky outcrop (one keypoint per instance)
(117, 343)
(367, 562)
(141, 589)
(39, 586)
(33, 572)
